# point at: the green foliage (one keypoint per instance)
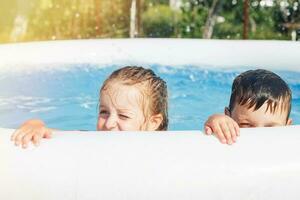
(159, 21)
(266, 22)
(156, 2)
(70, 19)
(232, 27)
(286, 12)
(193, 18)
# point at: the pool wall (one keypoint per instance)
(263, 164)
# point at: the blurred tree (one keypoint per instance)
(211, 18)
(245, 19)
(8, 11)
(287, 16)
(75, 19)
(159, 21)
(97, 4)
(156, 2)
(224, 19)
(194, 14)
(135, 18)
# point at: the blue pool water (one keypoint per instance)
(67, 98)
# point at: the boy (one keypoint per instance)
(259, 98)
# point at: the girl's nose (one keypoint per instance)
(111, 123)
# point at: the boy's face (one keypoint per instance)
(262, 117)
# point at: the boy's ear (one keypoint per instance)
(289, 121)
(154, 122)
(226, 111)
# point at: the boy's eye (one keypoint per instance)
(245, 125)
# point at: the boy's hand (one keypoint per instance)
(31, 130)
(224, 127)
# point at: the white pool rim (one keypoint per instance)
(211, 54)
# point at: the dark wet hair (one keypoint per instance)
(151, 85)
(256, 87)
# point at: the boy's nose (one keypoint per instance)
(111, 123)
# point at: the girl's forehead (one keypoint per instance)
(122, 96)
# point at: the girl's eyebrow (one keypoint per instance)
(122, 110)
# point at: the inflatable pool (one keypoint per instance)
(263, 164)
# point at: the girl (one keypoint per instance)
(131, 99)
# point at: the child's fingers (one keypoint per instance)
(36, 139)
(12, 137)
(19, 137)
(219, 133)
(26, 139)
(47, 134)
(232, 131)
(226, 132)
(237, 128)
(208, 130)
(15, 134)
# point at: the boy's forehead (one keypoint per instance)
(263, 114)
(269, 106)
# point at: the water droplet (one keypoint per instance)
(188, 29)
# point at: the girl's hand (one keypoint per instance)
(224, 128)
(31, 131)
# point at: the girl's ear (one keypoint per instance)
(154, 122)
(226, 111)
(289, 121)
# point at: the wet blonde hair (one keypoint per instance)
(150, 85)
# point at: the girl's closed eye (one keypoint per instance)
(124, 116)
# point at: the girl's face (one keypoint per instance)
(121, 109)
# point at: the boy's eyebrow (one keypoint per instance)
(243, 119)
(272, 124)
